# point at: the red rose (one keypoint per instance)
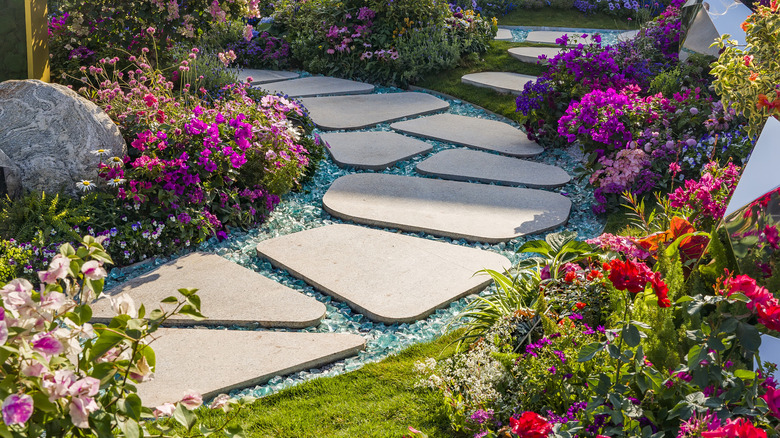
(740, 428)
(530, 425)
(570, 277)
(580, 305)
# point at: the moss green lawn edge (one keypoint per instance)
(551, 18)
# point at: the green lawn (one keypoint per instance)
(564, 18)
(379, 400)
(495, 59)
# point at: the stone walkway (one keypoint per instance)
(385, 276)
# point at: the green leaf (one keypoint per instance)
(106, 340)
(184, 417)
(170, 300)
(589, 351)
(745, 374)
(631, 336)
(536, 246)
(131, 429)
(191, 312)
(188, 291)
(696, 354)
(748, 336)
(131, 406)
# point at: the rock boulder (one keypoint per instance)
(47, 137)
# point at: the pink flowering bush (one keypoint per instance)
(705, 200)
(66, 377)
(207, 166)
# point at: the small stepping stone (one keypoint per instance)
(472, 132)
(372, 150)
(531, 54)
(503, 35)
(460, 210)
(230, 295)
(468, 165)
(500, 81)
(389, 277)
(318, 86)
(213, 362)
(626, 36)
(355, 112)
(549, 36)
(265, 76)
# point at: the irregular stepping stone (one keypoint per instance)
(389, 277)
(318, 86)
(500, 81)
(531, 54)
(355, 112)
(503, 35)
(212, 362)
(230, 295)
(472, 132)
(549, 36)
(265, 76)
(468, 165)
(625, 36)
(460, 210)
(372, 150)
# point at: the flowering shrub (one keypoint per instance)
(705, 200)
(262, 51)
(749, 78)
(673, 357)
(209, 166)
(582, 68)
(81, 33)
(380, 41)
(66, 377)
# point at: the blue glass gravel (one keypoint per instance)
(303, 210)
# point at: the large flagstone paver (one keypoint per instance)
(355, 112)
(265, 76)
(502, 82)
(531, 54)
(318, 86)
(386, 276)
(217, 361)
(230, 294)
(472, 132)
(460, 210)
(372, 150)
(469, 165)
(503, 35)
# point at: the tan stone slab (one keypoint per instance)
(531, 54)
(230, 294)
(472, 132)
(213, 362)
(503, 35)
(374, 150)
(355, 112)
(499, 81)
(265, 76)
(460, 210)
(318, 86)
(386, 276)
(469, 165)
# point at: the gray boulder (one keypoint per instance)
(47, 137)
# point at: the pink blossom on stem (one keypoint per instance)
(17, 409)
